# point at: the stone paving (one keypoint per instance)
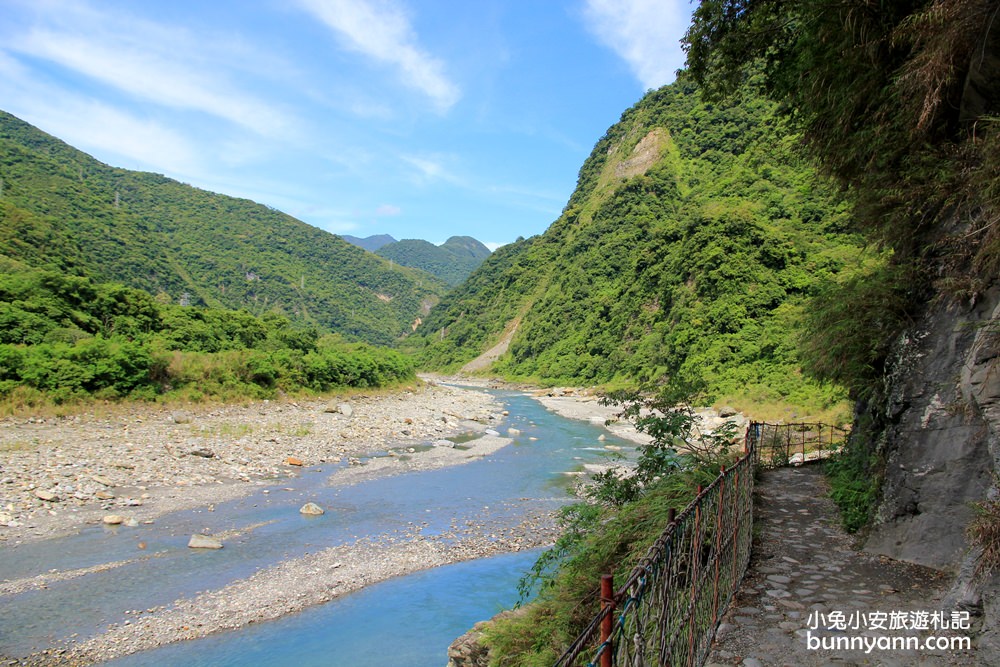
(808, 591)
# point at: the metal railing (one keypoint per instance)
(778, 445)
(667, 610)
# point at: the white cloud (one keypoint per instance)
(431, 168)
(379, 29)
(166, 65)
(91, 125)
(644, 33)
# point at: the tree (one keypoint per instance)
(894, 97)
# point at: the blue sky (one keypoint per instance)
(415, 118)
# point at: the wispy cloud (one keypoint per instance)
(166, 65)
(431, 168)
(636, 30)
(381, 30)
(89, 124)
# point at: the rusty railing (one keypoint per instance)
(667, 610)
(779, 445)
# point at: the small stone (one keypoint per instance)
(293, 461)
(131, 522)
(345, 410)
(46, 495)
(311, 509)
(104, 495)
(444, 443)
(202, 452)
(103, 481)
(113, 519)
(204, 542)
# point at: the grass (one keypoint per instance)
(25, 402)
(984, 532)
(837, 414)
(614, 542)
(223, 430)
(19, 446)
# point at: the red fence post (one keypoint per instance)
(607, 624)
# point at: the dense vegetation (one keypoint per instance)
(695, 237)
(898, 100)
(61, 209)
(451, 262)
(65, 337)
(901, 108)
(608, 532)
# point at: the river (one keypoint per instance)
(407, 621)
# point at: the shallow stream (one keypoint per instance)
(407, 621)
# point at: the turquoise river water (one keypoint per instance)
(404, 622)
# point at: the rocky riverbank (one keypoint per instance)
(138, 462)
(135, 465)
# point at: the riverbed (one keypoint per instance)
(112, 591)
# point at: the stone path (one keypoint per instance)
(807, 588)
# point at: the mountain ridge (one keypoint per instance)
(694, 237)
(183, 243)
(452, 261)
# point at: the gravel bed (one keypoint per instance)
(60, 474)
(137, 463)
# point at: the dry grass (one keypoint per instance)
(984, 532)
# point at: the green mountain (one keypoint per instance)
(466, 246)
(685, 255)
(451, 262)
(62, 209)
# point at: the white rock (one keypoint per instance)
(47, 496)
(204, 542)
(311, 509)
(113, 519)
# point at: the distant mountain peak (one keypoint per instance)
(369, 243)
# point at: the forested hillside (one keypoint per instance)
(65, 337)
(62, 209)
(687, 252)
(452, 261)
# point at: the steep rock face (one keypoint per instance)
(944, 423)
(941, 445)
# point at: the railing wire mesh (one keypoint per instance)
(667, 610)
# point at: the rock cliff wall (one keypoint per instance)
(939, 433)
